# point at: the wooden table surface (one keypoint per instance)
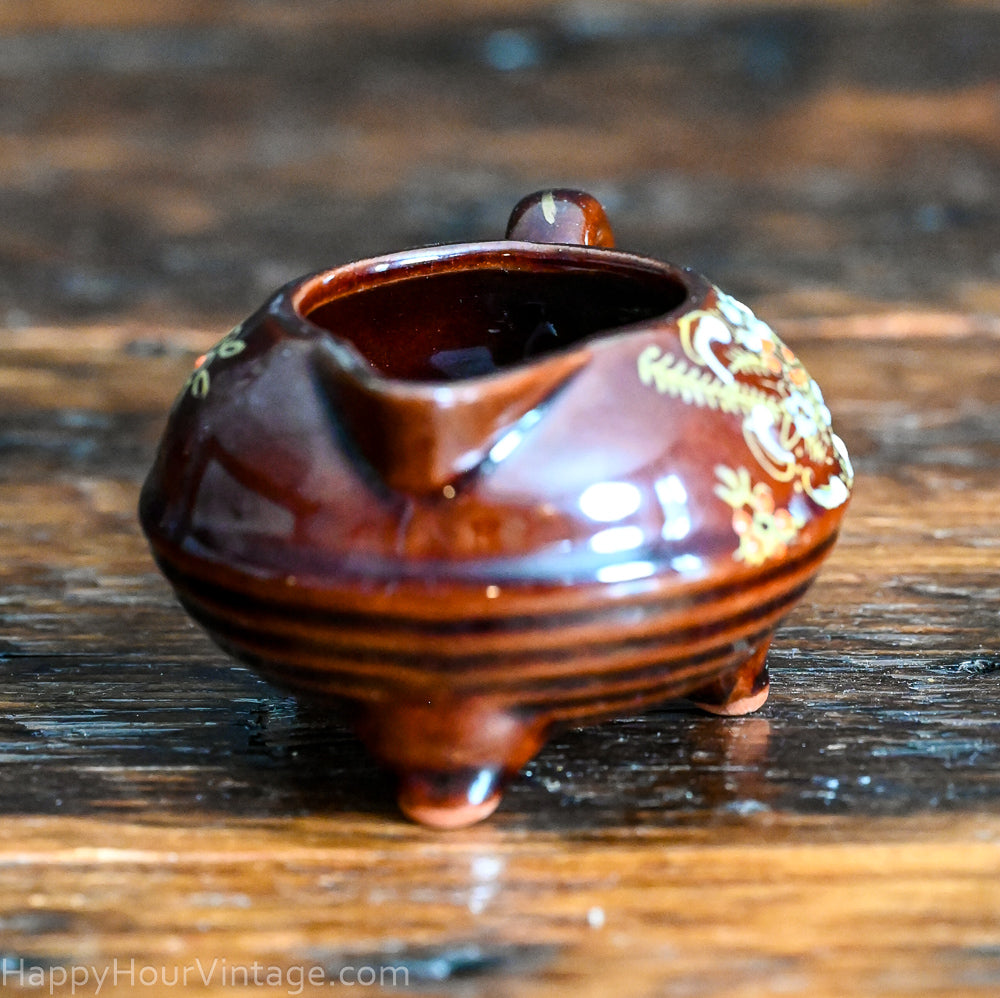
(164, 815)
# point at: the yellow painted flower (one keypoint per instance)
(764, 531)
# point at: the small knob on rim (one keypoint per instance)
(563, 216)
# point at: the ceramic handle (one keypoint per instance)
(560, 216)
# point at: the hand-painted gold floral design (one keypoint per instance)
(200, 380)
(764, 531)
(734, 362)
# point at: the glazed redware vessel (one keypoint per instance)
(473, 492)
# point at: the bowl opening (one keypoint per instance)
(468, 316)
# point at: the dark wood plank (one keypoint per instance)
(805, 847)
(163, 167)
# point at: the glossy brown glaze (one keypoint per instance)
(561, 216)
(475, 491)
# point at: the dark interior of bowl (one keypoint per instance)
(467, 322)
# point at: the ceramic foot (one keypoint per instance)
(452, 756)
(454, 800)
(739, 692)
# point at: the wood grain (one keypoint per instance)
(164, 167)
(848, 837)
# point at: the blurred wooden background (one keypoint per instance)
(174, 162)
(164, 166)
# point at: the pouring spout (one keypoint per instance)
(419, 437)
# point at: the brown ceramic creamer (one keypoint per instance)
(471, 492)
